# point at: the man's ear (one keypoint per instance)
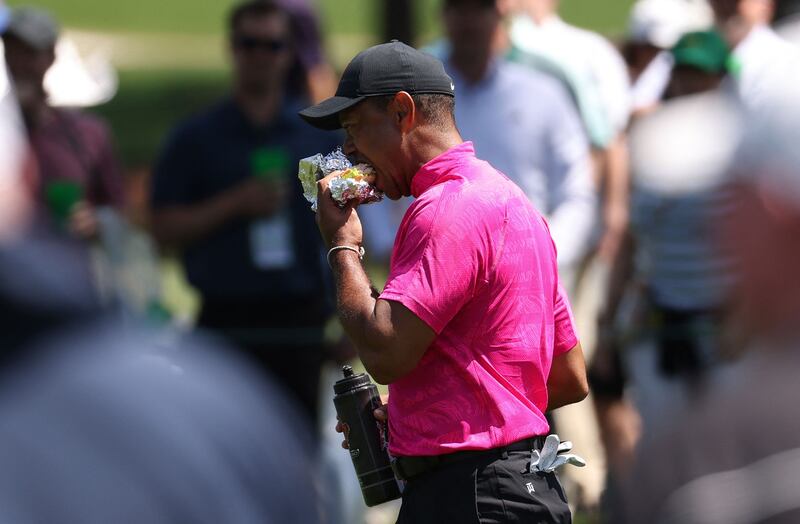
(404, 111)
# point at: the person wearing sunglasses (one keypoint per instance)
(225, 197)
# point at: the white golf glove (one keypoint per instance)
(553, 455)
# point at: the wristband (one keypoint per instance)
(358, 250)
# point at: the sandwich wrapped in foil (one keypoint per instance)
(352, 184)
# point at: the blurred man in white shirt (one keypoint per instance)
(763, 58)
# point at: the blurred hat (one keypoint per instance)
(704, 50)
(662, 22)
(384, 69)
(785, 9)
(33, 26)
(80, 79)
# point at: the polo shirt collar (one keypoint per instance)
(429, 173)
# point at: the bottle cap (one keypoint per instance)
(351, 381)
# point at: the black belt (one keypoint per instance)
(406, 468)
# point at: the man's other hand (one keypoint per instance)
(381, 415)
(261, 198)
(83, 221)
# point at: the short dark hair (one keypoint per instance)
(436, 109)
(785, 9)
(254, 8)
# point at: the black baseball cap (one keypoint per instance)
(384, 69)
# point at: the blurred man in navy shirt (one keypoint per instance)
(225, 195)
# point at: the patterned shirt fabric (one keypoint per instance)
(76, 147)
(475, 261)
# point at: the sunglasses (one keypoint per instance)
(249, 43)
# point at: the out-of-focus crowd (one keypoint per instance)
(666, 167)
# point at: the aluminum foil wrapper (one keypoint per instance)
(352, 184)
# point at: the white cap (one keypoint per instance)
(75, 80)
(34, 26)
(662, 22)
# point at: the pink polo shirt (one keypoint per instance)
(475, 261)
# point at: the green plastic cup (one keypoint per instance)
(269, 163)
(61, 197)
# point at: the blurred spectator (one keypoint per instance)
(670, 282)
(597, 78)
(760, 55)
(33, 293)
(734, 456)
(225, 195)
(523, 123)
(654, 27)
(311, 73)
(77, 167)
(16, 202)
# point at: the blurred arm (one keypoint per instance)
(616, 183)
(178, 226)
(181, 225)
(107, 187)
(571, 190)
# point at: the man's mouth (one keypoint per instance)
(373, 176)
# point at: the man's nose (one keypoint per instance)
(348, 148)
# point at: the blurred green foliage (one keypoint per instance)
(149, 103)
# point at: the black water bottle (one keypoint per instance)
(355, 400)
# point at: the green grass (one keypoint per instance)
(339, 16)
(605, 16)
(181, 16)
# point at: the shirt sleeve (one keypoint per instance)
(435, 263)
(108, 188)
(93, 145)
(566, 336)
(570, 182)
(613, 84)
